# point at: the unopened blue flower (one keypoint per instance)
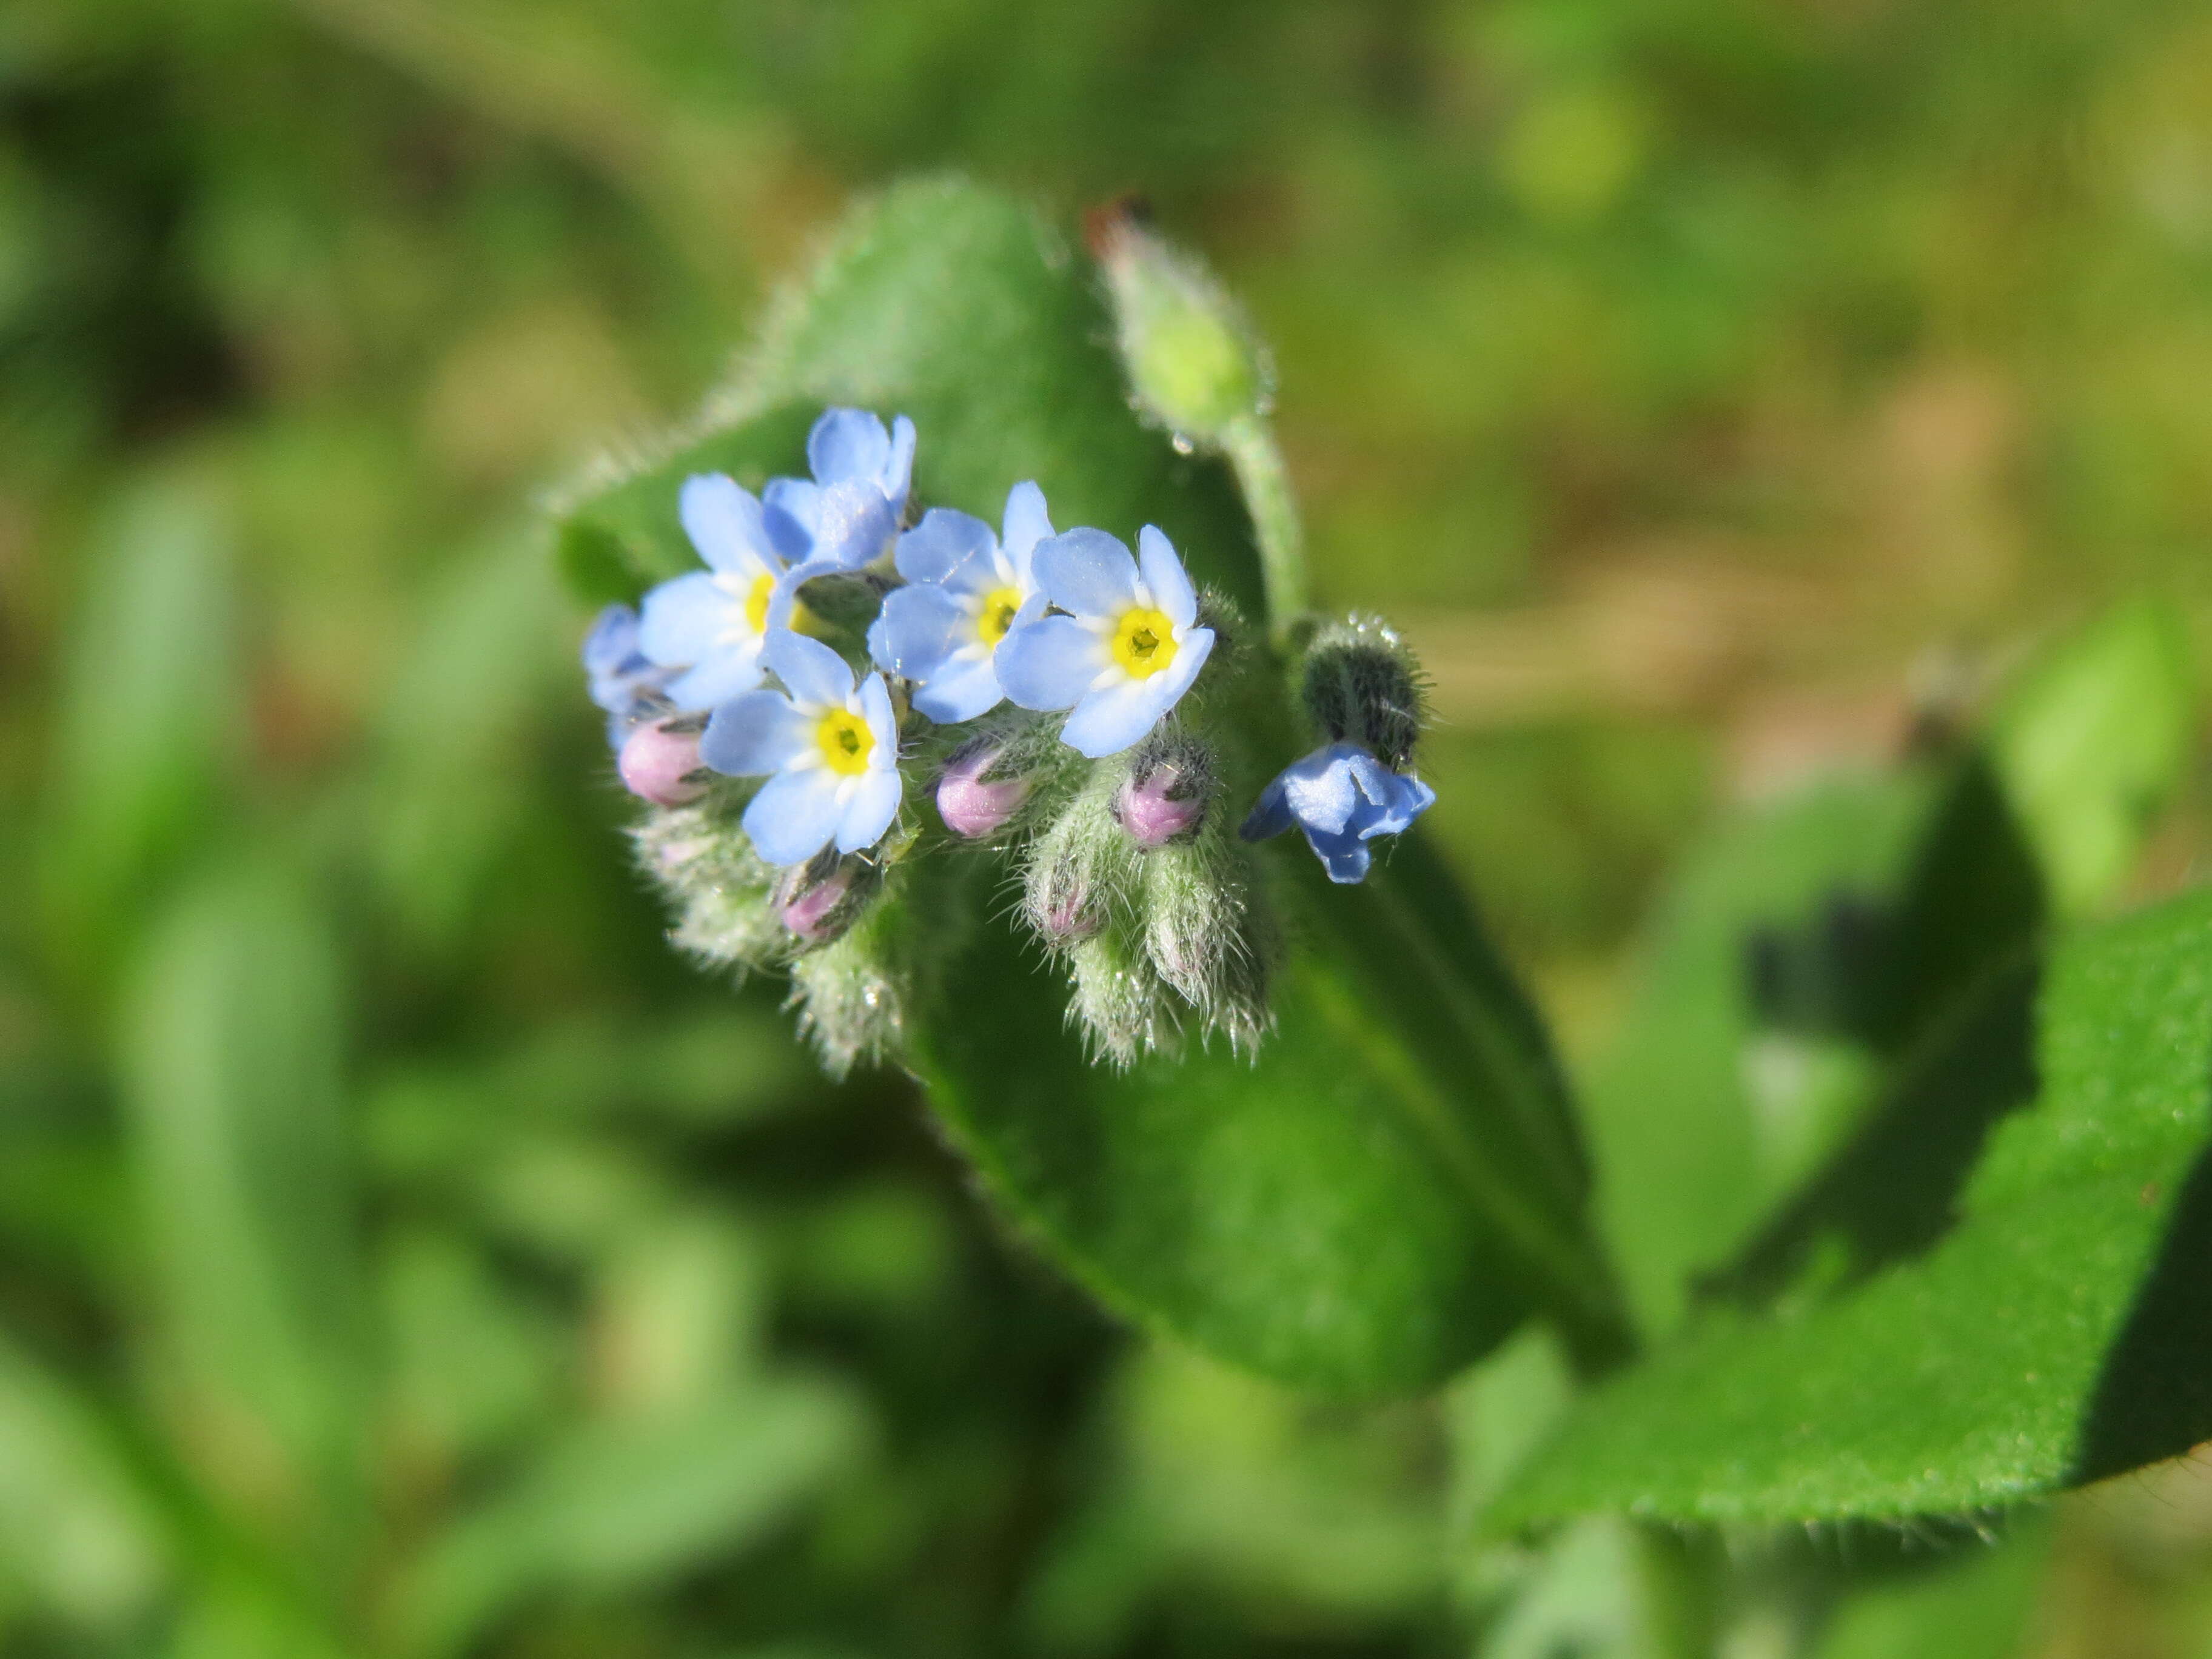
(708, 628)
(849, 510)
(1343, 798)
(1127, 649)
(828, 749)
(623, 681)
(965, 586)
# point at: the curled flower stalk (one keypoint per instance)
(982, 707)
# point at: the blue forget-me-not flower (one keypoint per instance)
(1343, 798)
(1127, 649)
(850, 510)
(623, 681)
(827, 747)
(966, 586)
(708, 628)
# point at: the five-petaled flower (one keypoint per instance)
(966, 586)
(708, 628)
(827, 747)
(623, 681)
(1343, 798)
(850, 511)
(1127, 649)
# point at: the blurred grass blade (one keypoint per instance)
(150, 708)
(232, 1051)
(1977, 1608)
(623, 1506)
(494, 652)
(2092, 741)
(77, 1538)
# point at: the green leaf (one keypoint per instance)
(624, 1505)
(2091, 741)
(2038, 1326)
(1396, 1182)
(1706, 1108)
(232, 1069)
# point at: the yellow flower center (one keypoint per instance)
(763, 590)
(997, 616)
(844, 741)
(1144, 642)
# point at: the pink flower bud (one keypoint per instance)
(969, 804)
(1152, 814)
(657, 762)
(1068, 918)
(809, 914)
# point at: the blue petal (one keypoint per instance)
(1164, 575)
(726, 672)
(855, 523)
(882, 723)
(683, 619)
(611, 642)
(960, 692)
(1395, 801)
(920, 626)
(1049, 663)
(794, 816)
(1171, 681)
(952, 549)
(1110, 719)
(790, 508)
(724, 523)
(755, 733)
(1345, 858)
(1321, 790)
(1087, 572)
(898, 471)
(1026, 524)
(870, 812)
(809, 669)
(848, 445)
(1270, 814)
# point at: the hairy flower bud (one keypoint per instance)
(1117, 998)
(1082, 868)
(660, 763)
(1193, 361)
(850, 993)
(1362, 685)
(703, 862)
(817, 901)
(1205, 934)
(1170, 787)
(971, 800)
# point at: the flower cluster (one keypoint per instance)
(1050, 688)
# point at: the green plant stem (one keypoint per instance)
(1249, 444)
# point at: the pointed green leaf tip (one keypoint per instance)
(1396, 1183)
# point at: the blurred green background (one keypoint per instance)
(402, 1253)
